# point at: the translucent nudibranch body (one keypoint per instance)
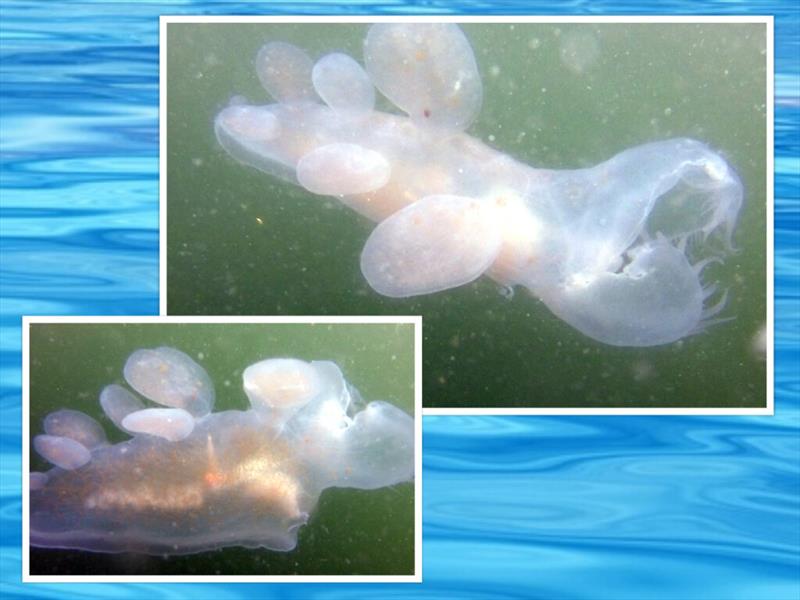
(616, 250)
(192, 480)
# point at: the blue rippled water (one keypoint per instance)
(551, 507)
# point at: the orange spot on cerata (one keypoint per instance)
(214, 478)
(420, 55)
(501, 201)
(417, 220)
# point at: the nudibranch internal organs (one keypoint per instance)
(616, 250)
(190, 479)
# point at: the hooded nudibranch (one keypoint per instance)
(616, 250)
(190, 479)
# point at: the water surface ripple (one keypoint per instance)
(556, 507)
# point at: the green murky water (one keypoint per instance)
(241, 242)
(351, 532)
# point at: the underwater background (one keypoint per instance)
(350, 532)
(241, 242)
(543, 507)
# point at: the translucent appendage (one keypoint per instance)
(436, 243)
(77, 426)
(63, 452)
(118, 403)
(171, 424)
(342, 169)
(343, 84)
(171, 378)
(428, 70)
(285, 72)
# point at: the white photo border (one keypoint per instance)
(767, 20)
(416, 577)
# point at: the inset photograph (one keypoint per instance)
(578, 210)
(223, 449)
